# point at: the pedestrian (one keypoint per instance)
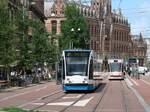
(133, 70)
(137, 74)
(128, 70)
(49, 75)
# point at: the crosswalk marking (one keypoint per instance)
(72, 97)
(61, 103)
(82, 103)
(38, 103)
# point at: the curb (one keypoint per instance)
(19, 88)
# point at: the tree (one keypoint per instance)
(24, 46)
(79, 36)
(7, 38)
(14, 36)
(42, 50)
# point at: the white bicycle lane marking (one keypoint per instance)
(134, 82)
(145, 82)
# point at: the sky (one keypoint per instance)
(137, 12)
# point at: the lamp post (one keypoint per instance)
(76, 32)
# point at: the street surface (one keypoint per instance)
(129, 95)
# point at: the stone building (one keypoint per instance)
(35, 8)
(109, 30)
(147, 40)
(139, 48)
(147, 61)
(55, 15)
(120, 36)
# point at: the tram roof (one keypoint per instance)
(72, 50)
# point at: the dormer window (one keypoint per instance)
(53, 14)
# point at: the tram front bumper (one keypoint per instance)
(80, 87)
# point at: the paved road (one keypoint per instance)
(143, 87)
(111, 96)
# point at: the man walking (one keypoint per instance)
(137, 73)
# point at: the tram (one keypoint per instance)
(116, 69)
(80, 70)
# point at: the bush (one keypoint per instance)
(14, 109)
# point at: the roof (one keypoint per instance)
(72, 50)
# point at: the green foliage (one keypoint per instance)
(23, 24)
(3, 3)
(14, 36)
(75, 20)
(15, 109)
(7, 38)
(42, 50)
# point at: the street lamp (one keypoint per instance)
(73, 30)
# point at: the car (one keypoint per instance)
(141, 70)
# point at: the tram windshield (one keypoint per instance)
(77, 63)
(115, 67)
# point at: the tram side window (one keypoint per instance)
(91, 70)
(97, 67)
(59, 70)
(63, 70)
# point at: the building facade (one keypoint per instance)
(147, 40)
(139, 48)
(35, 8)
(55, 16)
(109, 30)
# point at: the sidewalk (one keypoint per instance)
(17, 88)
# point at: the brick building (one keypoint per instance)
(35, 8)
(109, 30)
(55, 15)
(139, 48)
(120, 37)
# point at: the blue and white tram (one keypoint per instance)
(78, 70)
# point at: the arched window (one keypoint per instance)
(54, 27)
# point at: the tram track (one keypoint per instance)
(41, 98)
(84, 95)
(53, 100)
(100, 99)
(124, 97)
(64, 109)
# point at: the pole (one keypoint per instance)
(56, 75)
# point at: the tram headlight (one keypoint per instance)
(68, 80)
(85, 79)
